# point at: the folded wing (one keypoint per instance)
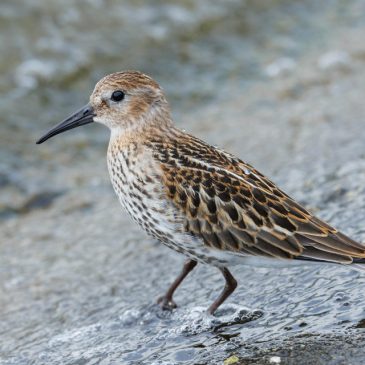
(233, 207)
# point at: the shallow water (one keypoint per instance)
(279, 83)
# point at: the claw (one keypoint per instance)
(166, 303)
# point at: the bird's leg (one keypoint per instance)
(230, 286)
(166, 301)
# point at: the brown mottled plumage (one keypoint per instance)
(195, 198)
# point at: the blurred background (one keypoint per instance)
(280, 83)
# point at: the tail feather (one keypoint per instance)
(333, 247)
(359, 261)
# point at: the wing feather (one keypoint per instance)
(233, 207)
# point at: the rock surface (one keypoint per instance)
(78, 281)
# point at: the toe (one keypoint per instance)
(166, 303)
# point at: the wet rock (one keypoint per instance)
(30, 72)
(335, 60)
(23, 204)
(361, 324)
(40, 201)
(280, 67)
(4, 180)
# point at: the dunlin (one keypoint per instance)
(195, 198)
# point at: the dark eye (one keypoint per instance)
(117, 95)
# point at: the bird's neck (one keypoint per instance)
(142, 131)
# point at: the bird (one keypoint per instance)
(195, 198)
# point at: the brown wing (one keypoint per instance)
(233, 207)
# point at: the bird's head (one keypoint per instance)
(123, 101)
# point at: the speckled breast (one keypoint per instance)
(136, 178)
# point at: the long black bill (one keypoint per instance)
(83, 116)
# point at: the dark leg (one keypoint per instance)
(231, 285)
(166, 301)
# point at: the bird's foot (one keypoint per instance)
(166, 303)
